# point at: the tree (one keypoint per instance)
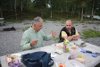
(57, 9)
(40, 5)
(83, 5)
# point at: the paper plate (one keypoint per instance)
(76, 63)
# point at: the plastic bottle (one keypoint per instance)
(65, 43)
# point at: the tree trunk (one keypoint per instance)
(1, 14)
(66, 9)
(15, 10)
(21, 9)
(51, 14)
(82, 15)
(66, 5)
(11, 5)
(72, 12)
(92, 13)
(50, 8)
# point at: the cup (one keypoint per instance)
(73, 53)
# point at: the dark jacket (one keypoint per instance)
(73, 31)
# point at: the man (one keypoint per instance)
(34, 36)
(68, 32)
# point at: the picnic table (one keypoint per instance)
(88, 52)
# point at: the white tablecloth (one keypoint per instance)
(62, 57)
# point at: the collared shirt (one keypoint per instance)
(30, 35)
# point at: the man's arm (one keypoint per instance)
(48, 37)
(76, 36)
(45, 36)
(73, 37)
(65, 36)
(25, 43)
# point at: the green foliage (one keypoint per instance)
(90, 33)
(63, 9)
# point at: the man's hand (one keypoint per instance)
(34, 42)
(53, 34)
(75, 37)
(70, 38)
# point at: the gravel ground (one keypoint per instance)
(10, 40)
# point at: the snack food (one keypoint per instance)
(62, 65)
(81, 58)
(66, 42)
(13, 61)
(74, 47)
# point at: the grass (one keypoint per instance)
(90, 33)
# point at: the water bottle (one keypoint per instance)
(65, 43)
